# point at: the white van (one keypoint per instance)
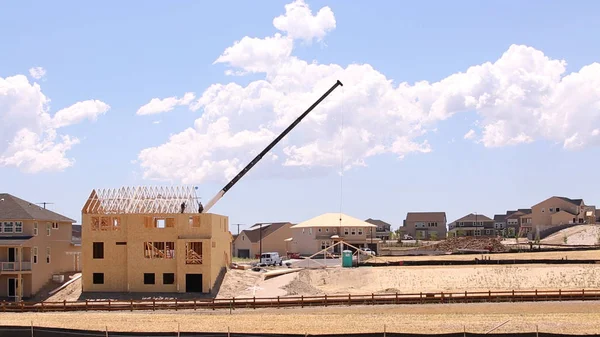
(271, 259)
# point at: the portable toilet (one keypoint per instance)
(347, 258)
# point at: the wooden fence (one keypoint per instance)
(306, 301)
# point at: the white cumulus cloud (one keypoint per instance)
(470, 135)
(157, 105)
(28, 131)
(37, 72)
(521, 97)
(299, 22)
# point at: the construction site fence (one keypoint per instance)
(306, 301)
(21, 331)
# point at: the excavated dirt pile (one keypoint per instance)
(454, 244)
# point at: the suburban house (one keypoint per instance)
(321, 232)
(383, 230)
(35, 244)
(270, 237)
(472, 225)
(425, 225)
(509, 224)
(152, 239)
(556, 211)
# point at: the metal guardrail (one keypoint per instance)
(307, 301)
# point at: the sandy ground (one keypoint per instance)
(564, 317)
(577, 235)
(586, 254)
(364, 280)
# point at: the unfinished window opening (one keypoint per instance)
(35, 229)
(214, 244)
(168, 278)
(98, 248)
(98, 278)
(55, 225)
(116, 223)
(360, 231)
(353, 231)
(193, 253)
(48, 228)
(105, 223)
(346, 231)
(149, 278)
(159, 250)
(121, 243)
(95, 223)
(47, 254)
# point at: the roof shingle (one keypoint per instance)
(426, 216)
(13, 208)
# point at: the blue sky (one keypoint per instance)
(116, 57)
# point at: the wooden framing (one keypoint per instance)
(193, 253)
(142, 200)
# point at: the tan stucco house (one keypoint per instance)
(35, 244)
(152, 239)
(556, 211)
(323, 231)
(472, 224)
(425, 225)
(268, 236)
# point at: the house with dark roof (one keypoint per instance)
(472, 224)
(268, 237)
(557, 210)
(382, 231)
(425, 225)
(35, 244)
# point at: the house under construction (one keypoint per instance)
(152, 239)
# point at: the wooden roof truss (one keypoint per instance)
(142, 200)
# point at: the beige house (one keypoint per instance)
(425, 225)
(152, 239)
(35, 244)
(556, 211)
(472, 224)
(270, 236)
(323, 231)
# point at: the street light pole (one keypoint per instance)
(260, 243)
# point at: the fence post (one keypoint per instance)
(421, 297)
(178, 330)
(325, 299)
(106, 330)
(254, 303)
(154, 304)
(43, 306)
(108, 310)
(464, 330)
(31, 328)
(349, 300)
(583, 294)
(64, 305)
(384, 331)
(559, 295)
(372, 298)
(537, 331)
(213, 303)
(3, 306)
(86, 305)
(536, 295)
(176, 304)
(513, 296)
(396, 297)
(131, 302)
(279, 304)
(302, 301)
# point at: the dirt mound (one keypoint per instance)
(301, 285)
(453, 244)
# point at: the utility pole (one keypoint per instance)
(260, 243)
(45, 203)
(238, 226)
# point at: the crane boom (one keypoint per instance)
(254, 161)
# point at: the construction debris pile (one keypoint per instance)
(493, 245)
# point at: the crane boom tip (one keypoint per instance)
(340, 83)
